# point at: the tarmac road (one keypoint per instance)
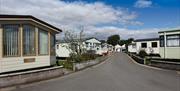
(117, 73)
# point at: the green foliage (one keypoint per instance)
(76, 58)
(57, 63)
(88, 56)
(122, 42)
(130, 40)
(103, 41)
(113, 40)
(66, 64)
(126, 42)
(147, 61)
(142, 53)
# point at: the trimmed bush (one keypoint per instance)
(66, 64)
(147, 61)
(80, 58)
(142, 53)
(88, 56)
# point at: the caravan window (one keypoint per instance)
(11, 40)
(43, 42)
(154, 44)
(29, 40)
(143, 45)
(173, 40)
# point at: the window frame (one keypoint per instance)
(173, 39)
(154, 46)
(35, 39)
(54, 44)
(40, 29)
(87, 44)
(19, 42)
(162, 41)
(142, 45)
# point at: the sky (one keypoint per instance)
(102, 18)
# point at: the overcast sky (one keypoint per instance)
(102, 18)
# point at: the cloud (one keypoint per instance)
(143, 3)
(103, 32)
(69, 13)
(72, 15)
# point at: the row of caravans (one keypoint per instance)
(27, 42)
(89, 44)
(167, 45)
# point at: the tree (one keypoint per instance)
(75, 44)
(126, 42)
(130, 40)
(113, 39)
(102, 41)
(75, 40)
(122, 42)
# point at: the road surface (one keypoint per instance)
(118, 73)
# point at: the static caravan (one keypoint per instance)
(63, 50)
(93, 44)
(26, 42)
(119, 48)
(105, 47)
(170, 44)
(150, 45)
(132, 47)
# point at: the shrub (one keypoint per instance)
(57, 63)
(142, 53)
(74, 58)
(89, 56)
(66, 64)
(147, 61)
(83, 57)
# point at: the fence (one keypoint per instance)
(173, 64)
(137, 58)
